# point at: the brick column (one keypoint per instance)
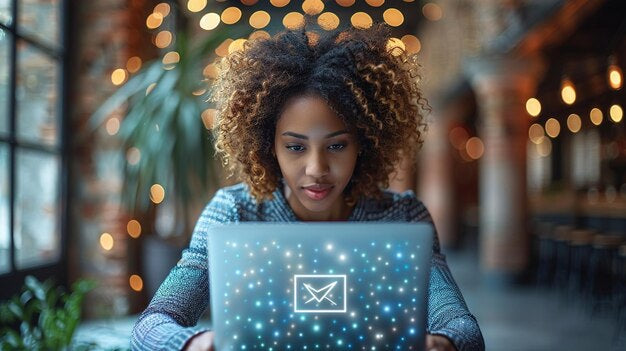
(502, 86)
(105, 34)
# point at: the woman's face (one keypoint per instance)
(317, 155)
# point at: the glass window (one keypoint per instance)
(40, 19)
(36, 94)
(36, 231)
(5, 263)
(5, 68)
(5, 12)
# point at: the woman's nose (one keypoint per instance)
(317, 165)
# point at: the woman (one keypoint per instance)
(315, 126)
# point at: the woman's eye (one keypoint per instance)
(337, 147)
(296, 148)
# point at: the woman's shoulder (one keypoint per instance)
(391, 205)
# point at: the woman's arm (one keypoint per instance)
(169, 321)
(448, 314)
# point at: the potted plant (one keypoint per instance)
(43, 317)
(163, 103)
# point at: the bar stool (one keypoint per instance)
(562, 236)
(580, 251)
(620, 329)
(545, 267)
(602, 285)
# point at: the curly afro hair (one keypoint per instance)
(369, 84)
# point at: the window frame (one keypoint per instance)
(12, 280)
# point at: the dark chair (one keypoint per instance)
(602, 284)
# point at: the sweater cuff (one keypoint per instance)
(177, 338)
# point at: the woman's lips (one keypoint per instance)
(317, 192)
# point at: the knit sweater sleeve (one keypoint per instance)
(170, 319)
(448, 314)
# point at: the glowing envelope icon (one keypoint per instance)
(319, 293)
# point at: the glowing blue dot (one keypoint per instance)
(316, 328)
(387, 308)
(399, 255)
(258, 325)
(412, 331)
(339, 342)
(388, 246)
(258, 303)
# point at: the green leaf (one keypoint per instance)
(36, 287)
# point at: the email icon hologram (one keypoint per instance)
(320, 293)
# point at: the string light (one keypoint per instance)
(154, 20)
(393, 17)
(432, 12)
(118, 76)
(553, 128)
(574, 123)
(157, 193)
(361, 20)
(345, 3)
(106, 241)
(133, 227)
(312, 7)
(259, 19)
(196, 5)
(616, 113)
(614, 74)
(533, 107)
(595, 115)
(412, 43)
(568, 92)
(113, 125)
(535, 133)
(133, 64)
(231, 15)
(475, 148)
(293, 20)
(328, 21)
(209, 21)
(135, 282)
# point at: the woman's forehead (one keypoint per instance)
(309, 115)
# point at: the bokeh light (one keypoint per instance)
(118, 76)
(312, 7)
(615, 77)
(154, 20)
(112, 125)
(596, 116)
(393, 17)
(259, 19)
(616, 113)
(210, 21)
(328, 21)
(574, 123)
(196, 5)
(157, 193)
(432, 11)
(163, 39)
(475, 148)
(133, 228)
(458, 137)
(345, 3)
(135, 282)
(231, 15)
(361, 20)
(568, 92)
(208, 117)
(133, 156)
(236, 45)
(133, 64)
(293, 20)
(553, 127)
(279, 3)
(535, 133)
(375, 3)
(533, 107)
(106, 241)
(162, 8)
(412, 43)
(395, 46)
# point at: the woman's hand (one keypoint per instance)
(200, 342)
(438, 343)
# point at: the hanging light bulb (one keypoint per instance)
(568, 92)
(614, 74)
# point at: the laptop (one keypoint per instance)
(319, 286)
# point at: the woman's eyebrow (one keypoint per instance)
(301, 136)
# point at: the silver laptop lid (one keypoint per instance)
(314, 286)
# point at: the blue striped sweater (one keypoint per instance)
(170, 319)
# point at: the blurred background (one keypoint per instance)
(106, 161)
